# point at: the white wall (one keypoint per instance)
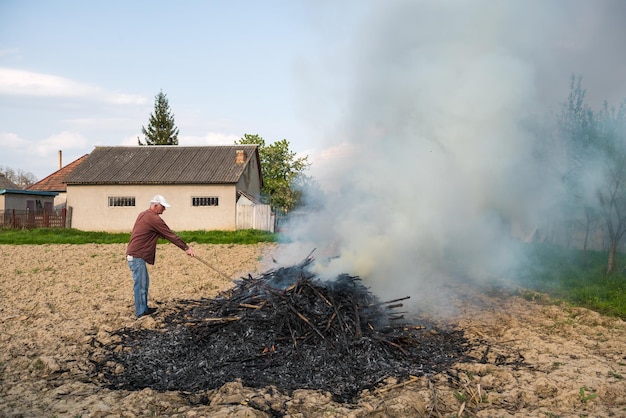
(91, 211)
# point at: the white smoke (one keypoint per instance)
(439, 166)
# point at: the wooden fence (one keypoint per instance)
(25, 219)
(257, 216)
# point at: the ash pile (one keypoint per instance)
(285, 329)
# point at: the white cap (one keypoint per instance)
(160, 200)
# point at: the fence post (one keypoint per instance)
(69, 218)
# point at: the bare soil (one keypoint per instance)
(58, 303)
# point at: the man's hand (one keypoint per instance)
(190, 252)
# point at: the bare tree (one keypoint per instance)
(575, 127)
(595, 169)
(20, 177)
(611, 141)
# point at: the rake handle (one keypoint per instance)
(211, 267)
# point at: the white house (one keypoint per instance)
(107, 190)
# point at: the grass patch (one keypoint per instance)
(576, 277)
(585, 396)
(74, 236)
(59, 236)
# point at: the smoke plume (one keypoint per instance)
(438, 174)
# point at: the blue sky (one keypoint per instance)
(77, 74)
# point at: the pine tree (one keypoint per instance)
(161, 128)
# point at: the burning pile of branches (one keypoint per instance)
(285, 329)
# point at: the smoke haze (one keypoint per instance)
(437, 169)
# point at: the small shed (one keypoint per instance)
(24, 208)
(252, 214)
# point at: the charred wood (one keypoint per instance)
(285, 328)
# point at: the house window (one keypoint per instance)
(121, 201)
(205, 201)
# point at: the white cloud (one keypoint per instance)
(40, 156)
(61, 141)
(16, 82)
(11, 140)
(20, 82)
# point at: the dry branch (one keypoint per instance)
(334, 336)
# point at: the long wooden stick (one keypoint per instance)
(211, 267)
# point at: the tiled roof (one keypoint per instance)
(54, 182)
(164, 164)
(6, 184)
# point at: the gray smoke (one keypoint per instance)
(439, 175)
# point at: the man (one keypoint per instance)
(149, 227)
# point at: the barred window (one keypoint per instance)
(121, 201)
(205, 201)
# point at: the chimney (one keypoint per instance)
(239, 159)
(60, 159)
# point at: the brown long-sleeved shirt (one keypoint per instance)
(149, 227)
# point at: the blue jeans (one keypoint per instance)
(142, 283)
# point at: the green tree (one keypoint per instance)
(282, 172)
(161, 127)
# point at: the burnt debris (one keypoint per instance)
(285, 329)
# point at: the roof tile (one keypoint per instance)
(54, 182)
(163, 164)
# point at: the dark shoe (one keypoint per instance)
(150, 311)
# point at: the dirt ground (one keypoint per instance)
(540, 359)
